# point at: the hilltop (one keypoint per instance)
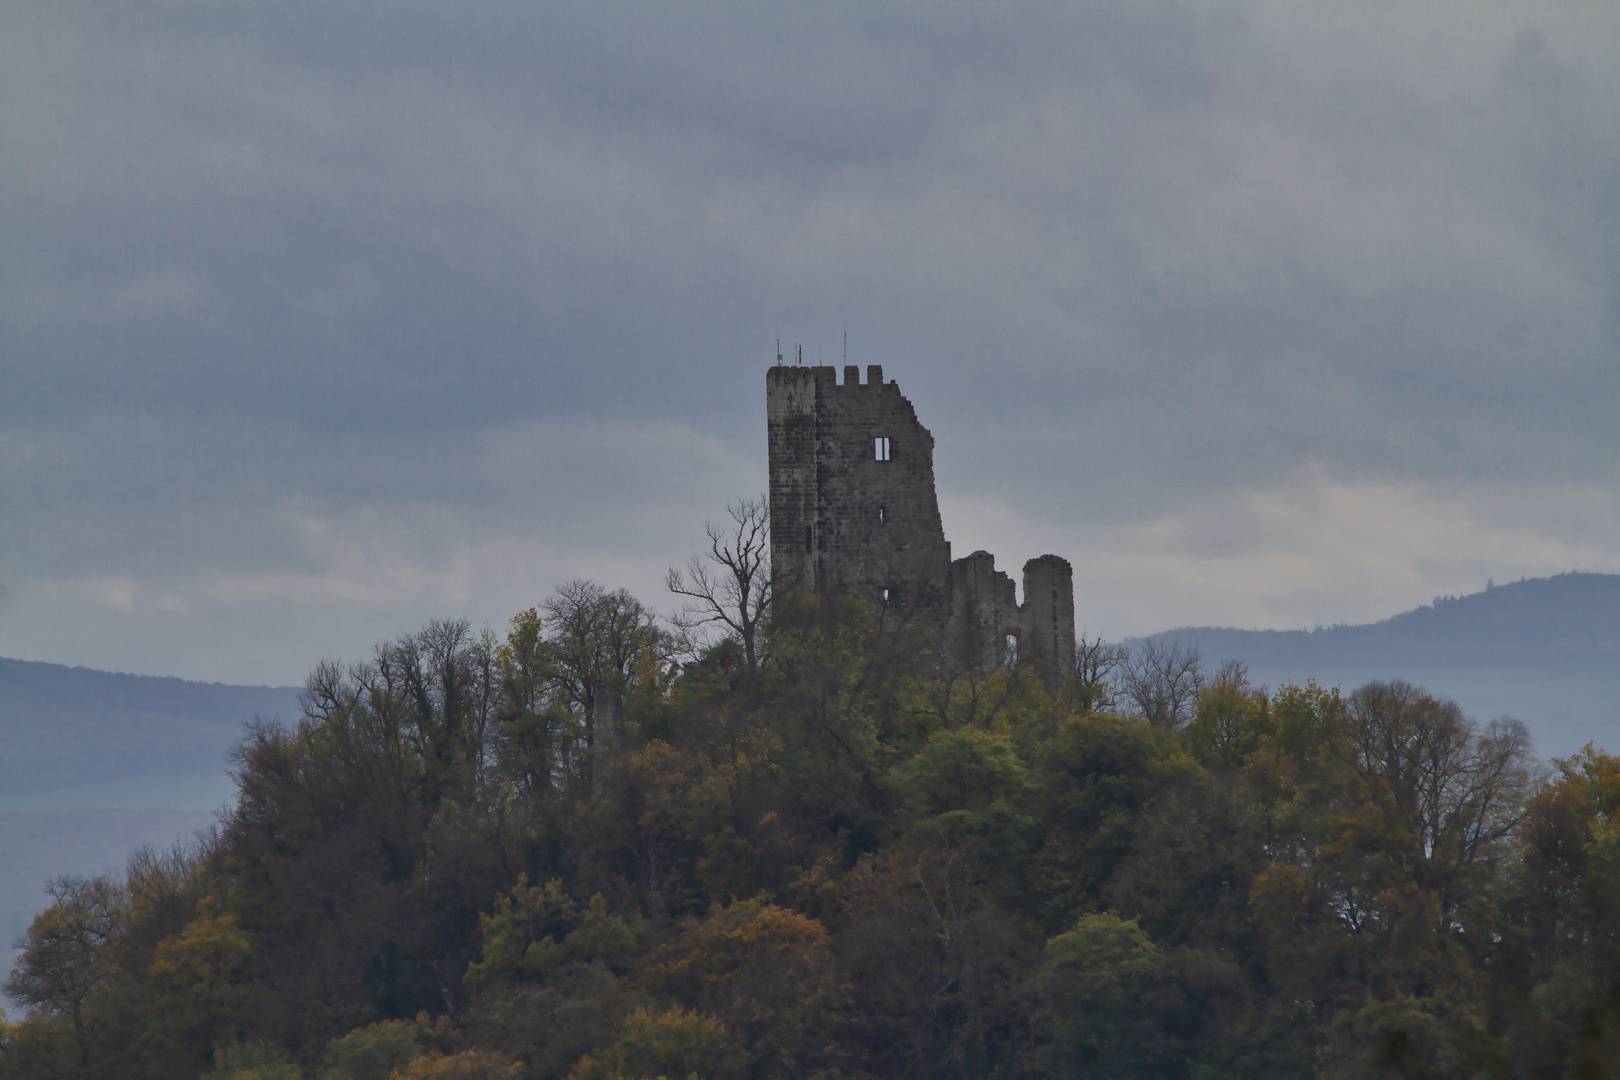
(838, 861)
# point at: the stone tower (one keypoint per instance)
(852, 490)
(853, 511)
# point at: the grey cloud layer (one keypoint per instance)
(315, 261)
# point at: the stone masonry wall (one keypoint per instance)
(853, 510)
(985, 613)
(843, 521)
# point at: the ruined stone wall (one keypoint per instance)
(985, 614)
(1047, 642)
(853, 510)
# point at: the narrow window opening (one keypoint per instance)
(1010, 652)
(883, 515)
(883, 448)
(807, 538)
(885, 595)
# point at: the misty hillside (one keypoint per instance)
(63, 727)
(95, 764)
(1544, 650)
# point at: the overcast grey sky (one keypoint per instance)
(317, 321)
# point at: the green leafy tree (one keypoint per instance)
(546, 975)
(253, 1061)
(1564, 1007)
(474, 1064)
(762, 971)
(1095, 776)
(1100, 988)
(377, 1051)
(666, 1043)
(196, 981)
(67, 958)
(1230, 721)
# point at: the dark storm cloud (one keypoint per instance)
(277, 284)
(444, 220)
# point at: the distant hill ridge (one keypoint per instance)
(64, 725)
(1544, 650)
(1568, 621)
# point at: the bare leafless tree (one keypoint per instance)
(1460, 791)
(730, 584)
(1162, 680)
(1096, 665)
(595, 639)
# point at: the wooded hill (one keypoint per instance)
(465, 860)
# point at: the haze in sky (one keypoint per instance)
(318, 321)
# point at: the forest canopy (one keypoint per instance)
(597, 847)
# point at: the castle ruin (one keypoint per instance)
(853, 511)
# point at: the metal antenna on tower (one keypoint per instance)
(778, 352)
